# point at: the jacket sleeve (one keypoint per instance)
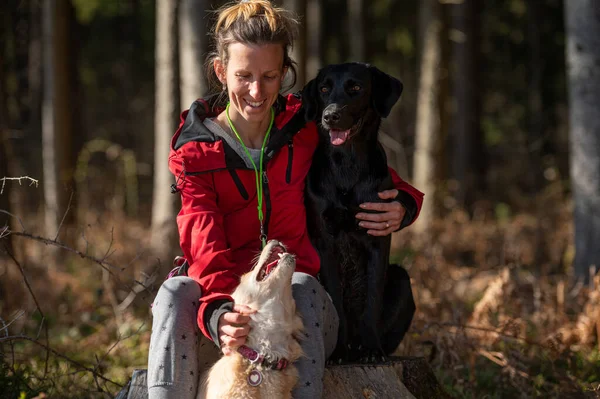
(202, 240)
(409, 197)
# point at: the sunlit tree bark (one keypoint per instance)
(56, 113)
(164, 206)
(428, 120)
(193, 46)
(298, 7)
(313, 38)
(583, 78)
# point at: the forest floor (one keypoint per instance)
(498, 312)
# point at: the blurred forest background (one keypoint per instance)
(493, 126)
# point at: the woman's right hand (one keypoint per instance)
(234, 328)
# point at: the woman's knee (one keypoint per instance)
(303, 283)
(179, 288)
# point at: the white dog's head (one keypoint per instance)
(270, 279)
(268, 290)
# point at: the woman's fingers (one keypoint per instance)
(394, 206)
(228, 343)
(383, 231)
(380, 225)
(235, 318)
(243, 309)
(235, 332)
(388, 194)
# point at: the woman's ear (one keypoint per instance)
(220, 70)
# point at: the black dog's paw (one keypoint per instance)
(372, 356)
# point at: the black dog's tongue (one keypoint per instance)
(338, 137)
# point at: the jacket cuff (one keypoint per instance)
(212, 313)
(410, 205)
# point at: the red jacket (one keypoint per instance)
(218, 221)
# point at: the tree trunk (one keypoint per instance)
(399, 378)
(193, 46)
(56, 113)
(313, 38)
(5, 220)
(356, 37)
(298, 7)
(583, 79)
(535, 137)
(428, 115)
(465, 124)
(164, 208)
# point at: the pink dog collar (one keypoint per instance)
(256, 358)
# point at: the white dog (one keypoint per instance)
(264, 367)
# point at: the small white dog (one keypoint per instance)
(264, 367)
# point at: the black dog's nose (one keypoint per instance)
(331, 117)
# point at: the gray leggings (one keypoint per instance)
(180, 353)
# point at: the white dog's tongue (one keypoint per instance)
(270, 267)
(338, 137)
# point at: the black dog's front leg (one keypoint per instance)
(371, 324)
(330, 278)
(400, 308)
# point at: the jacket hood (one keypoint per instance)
(192, 132)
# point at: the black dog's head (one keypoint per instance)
(344, 96)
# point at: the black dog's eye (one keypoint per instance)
(324, 89)
(356, 88)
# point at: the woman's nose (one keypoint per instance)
(256, 89)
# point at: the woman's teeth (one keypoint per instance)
(255, 104)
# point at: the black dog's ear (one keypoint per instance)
(310, 100)
(386, 91)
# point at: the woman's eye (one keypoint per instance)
(270, 77)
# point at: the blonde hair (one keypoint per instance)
(252, 22)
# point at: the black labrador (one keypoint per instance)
(373, 299)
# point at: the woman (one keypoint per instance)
(240, 170)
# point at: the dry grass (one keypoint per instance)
(498, 314)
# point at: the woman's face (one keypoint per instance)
(253, 75)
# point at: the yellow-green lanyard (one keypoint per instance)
(258, 173)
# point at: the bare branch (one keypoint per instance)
(6, 230)
(4, 179)
(6, 325)
(64, 216)
(60, 355)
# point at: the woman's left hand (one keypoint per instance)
(388, 217)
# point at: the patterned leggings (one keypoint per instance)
(179, 353)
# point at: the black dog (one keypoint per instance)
(373, 299)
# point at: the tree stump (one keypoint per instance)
(399, 378)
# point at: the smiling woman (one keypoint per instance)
(240, 167)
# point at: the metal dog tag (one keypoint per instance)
(255, 377)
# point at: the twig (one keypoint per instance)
(112, 237)
(64, 216)
(5, 325)
(60, 355)
(484, 329)
(502, 363)
(4, 179)
(102, 262)
(16, 217)
(37, 304)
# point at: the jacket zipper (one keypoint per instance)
(288, 173)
